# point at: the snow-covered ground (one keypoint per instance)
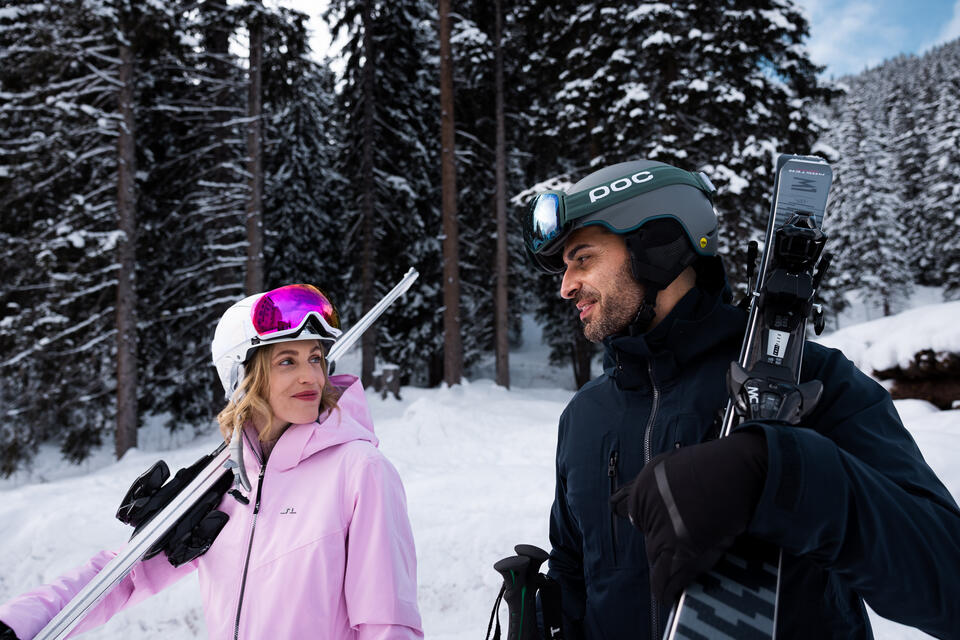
(477, 463)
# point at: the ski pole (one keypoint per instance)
(521, 582)
(150, 533)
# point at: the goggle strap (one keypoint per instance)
(636, 183)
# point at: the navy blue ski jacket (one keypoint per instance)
(848, 496)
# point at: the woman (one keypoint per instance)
(320, 546)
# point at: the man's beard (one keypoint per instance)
(614, 312)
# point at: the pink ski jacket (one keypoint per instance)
(328, 554)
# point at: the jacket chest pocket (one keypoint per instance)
(610, 481)
(688, 429)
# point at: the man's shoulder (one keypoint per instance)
(820, 361)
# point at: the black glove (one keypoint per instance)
(193, 534)
(692, 503)
(6, 633)
(196, 530)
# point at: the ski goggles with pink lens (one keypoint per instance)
(285, 312)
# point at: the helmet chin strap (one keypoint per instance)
(646, 312)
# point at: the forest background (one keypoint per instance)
(158, 160)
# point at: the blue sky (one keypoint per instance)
(850, 35)
(845, 35)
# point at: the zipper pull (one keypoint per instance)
(612, 466)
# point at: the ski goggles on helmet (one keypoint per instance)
(285, 312)
(551, 215)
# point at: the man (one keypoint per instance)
(846, 494)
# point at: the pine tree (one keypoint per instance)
(192, 248)
(303, 201)
(895, 132)
(474, 27)
(404, 179)
(941, 200)
(62, 66)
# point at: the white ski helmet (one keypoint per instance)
(293, 312)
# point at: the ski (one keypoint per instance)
(738, 598)
(220, 459)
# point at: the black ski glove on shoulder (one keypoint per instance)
(6, 633)
(195, 531)
(692, 503)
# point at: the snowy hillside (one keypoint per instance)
(477, 463)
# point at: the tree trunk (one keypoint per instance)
(452, 346)
(254, 279)
(126, 436)
(368, 340)
(582, 354)
(502, 339)
(216, 42)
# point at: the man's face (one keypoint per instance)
(598, 280)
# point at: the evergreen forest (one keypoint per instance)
(160, 160)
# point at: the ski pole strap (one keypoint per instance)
(494, 618)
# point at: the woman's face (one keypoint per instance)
(296, 381)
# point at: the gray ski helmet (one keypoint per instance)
(690, 206)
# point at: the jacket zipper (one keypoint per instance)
(246, 562)
(647, 454)
(612, 474)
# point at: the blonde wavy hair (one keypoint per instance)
(253, 406)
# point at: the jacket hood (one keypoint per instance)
(348, 422)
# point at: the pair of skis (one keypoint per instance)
(738, 598)
(151, 532)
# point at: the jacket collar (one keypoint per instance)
(698, 323)
(350, 421)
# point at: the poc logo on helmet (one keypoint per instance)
(620, 184)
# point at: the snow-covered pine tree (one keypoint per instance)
(61, 119)
(913, 100)
(908, 113)
(303, 197)
(192, 246)
(474, 59)
(201, 194)
(866, 228)
(941, 180)
(404, 178)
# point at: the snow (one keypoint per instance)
(894, 340)
(779, 20)
(476, 461)
(658, 38)
(12, 13)
(644, 10)
(734, 183)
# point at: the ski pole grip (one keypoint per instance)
(536, 555)
(519, 596)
